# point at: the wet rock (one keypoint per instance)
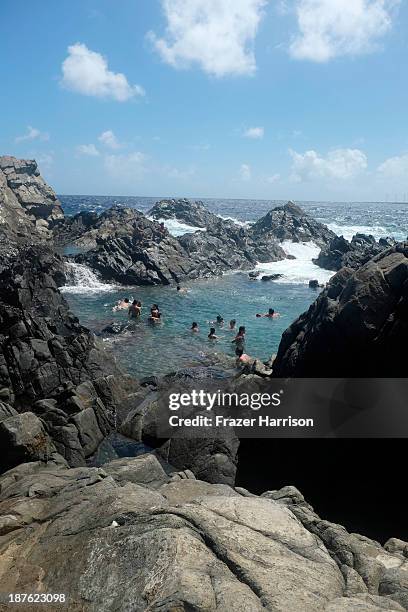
(314, 284)
(340, 253)
(271, 277)
(194, 214)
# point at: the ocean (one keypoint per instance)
(156, 350)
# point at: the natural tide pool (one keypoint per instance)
(159, 349)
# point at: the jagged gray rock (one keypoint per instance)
(357, 325)
(37, 198)
(341, 253)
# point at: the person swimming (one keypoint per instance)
(121, 305)
(240, 337)
(212, 335)
(232, 324)
(271, 314)
(155, 314)
(181, 289)
(194, 327)
(135, 309)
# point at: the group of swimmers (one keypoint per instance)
(135, 310)
(239, 339)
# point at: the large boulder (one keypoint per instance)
(340, 253)
(358, 326)
(32, 192)
(115, 539)
(23, 438)
(290, 222)
(194, 214)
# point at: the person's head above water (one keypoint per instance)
(126, 300)
(194, 325)
(135, 303)
(212, 331)
(220, 319)
(232, 323)
(178, 288)
(242, 329)
(271, 311)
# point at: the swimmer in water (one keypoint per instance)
(211, 335)
(155, 314)
(121, 305)
(181, 289)
(240, 337)
(232, 324)
(195, 328)
(135, 309)
(271, 314)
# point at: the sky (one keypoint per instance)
(262, 99)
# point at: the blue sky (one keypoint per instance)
(301, 99)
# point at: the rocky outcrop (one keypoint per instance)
(290, 222)
(56, 379)
(358, 326)
(194, 214)
(133, 250)
(178, 543)
(341, 253)
(31, 191)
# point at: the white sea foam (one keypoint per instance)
(300, 270)
(83, 280)
(237, 221)
(348, 231)
(177, 228)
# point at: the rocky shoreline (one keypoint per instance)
(182, 536)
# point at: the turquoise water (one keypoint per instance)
(157, 349)
(148, 350)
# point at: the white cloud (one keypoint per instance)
(256, 133)
(86, 72)
(395, 167)
(128, 167)
(331, 28)
(338, 164)
(44, 160)
(109, 139)
(88, 149)
(273, 179)
(32, 134)
(218, 35)
(245, 172)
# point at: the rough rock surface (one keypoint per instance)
(341, 253)
(358, 324)
(290, 222)
(127, 536)
(194, 214)
(32, 192)
(131, 249)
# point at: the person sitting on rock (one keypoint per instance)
(212, 335)
(195, 328)
(240, 337)
(232, 324)
(271, 314)
(241, 356)
(121, 305)
(135, 309)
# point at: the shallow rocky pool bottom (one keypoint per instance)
(158, 349)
